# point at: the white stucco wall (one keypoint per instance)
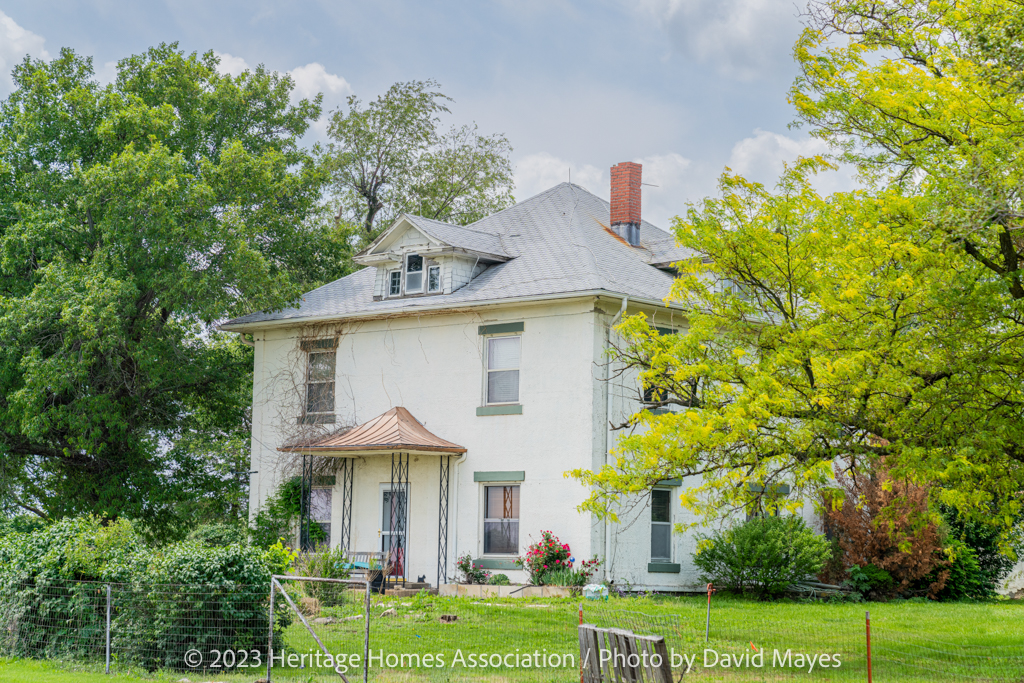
(433, 366)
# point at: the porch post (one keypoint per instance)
(347, 479)
(442, 520)
(305, 493)
(399, 516)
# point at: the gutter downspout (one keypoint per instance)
(608, 430)
(241, 337)
(454, 521)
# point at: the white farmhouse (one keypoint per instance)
(455, 380)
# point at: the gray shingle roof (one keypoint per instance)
(460, 236)
(559, 241)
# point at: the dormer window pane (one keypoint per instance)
(434, 279)
(395, 283)
(413, 273)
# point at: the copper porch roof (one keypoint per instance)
(396, 430)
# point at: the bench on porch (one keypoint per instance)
(358, 562)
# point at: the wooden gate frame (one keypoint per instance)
(622, 644)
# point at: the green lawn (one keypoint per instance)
(912, 641)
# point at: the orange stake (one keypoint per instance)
(867, 624)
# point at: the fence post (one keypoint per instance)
(867, 625)
(366, 637)
(108, 629)
(707, 625)
(581, 652)
(270, 632)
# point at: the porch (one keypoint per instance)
(393, 488)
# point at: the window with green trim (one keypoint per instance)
(661, 525)
(502, 365)
(501, 520)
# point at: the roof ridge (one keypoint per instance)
(456, 225)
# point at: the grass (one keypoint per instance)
(911, 641)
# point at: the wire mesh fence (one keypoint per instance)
(227, 633)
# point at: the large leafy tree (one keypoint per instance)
(864, 331)
(392, 157)
(824, 337)
(133, 216)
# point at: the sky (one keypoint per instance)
(685, 87)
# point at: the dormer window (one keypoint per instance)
(395, 283)
(413, 274)
(434, 279)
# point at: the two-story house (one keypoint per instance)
(452, 382)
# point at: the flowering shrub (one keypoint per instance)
(471, 573)
(550, 555)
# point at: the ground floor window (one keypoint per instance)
(320, 511)
(661, 525)
(501, 520)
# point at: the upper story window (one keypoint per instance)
(321, 359)
(434, 279)
(503, 369)
(413, 274)
(395, 283)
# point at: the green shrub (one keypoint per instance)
(49, 590)
(545, 556)
(324, 563)
(215, 535)
(279, 517)
(870, 581)
(994, 564)
(967, 580)
(762, 557)
(471, 572)
(166, 600)
(499, 580)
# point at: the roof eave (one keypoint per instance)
(419, 310)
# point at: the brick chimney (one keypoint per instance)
(625, 217)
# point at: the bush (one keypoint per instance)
(869, 581)
(886, 522)
(763, 557)
(546, 555)
(499, 580)
(994, 564)
(967, 580)
(219, 535)
(168, 600)
(324, 563)
(471, 572)
(279, 517)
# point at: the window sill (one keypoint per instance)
(317, 419)
(495, 563)
(663, 568)
(514, 409)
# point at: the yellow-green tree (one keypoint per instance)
(835, 332)
(822, 332)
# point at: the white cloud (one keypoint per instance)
(537, 172)
(15, 43)
(671, 180)
(230, 64)
(762, 158)
(313, 78)
(742, 39)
